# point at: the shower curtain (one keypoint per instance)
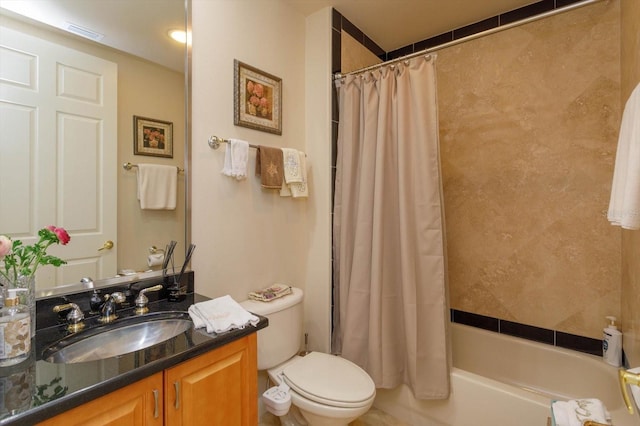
(390, 300)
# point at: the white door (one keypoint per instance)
(58, 152)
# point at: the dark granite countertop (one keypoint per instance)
(35, 390)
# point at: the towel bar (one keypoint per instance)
(129, 166)
(215, 141)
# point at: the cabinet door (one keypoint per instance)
(135, 405)
(217, 388)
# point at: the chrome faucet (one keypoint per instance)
(142, 300)
(108, 311)
(75, 317)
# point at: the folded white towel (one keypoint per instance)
(624, 206)
(292, 169)
(221, 314)
(236, 158)
(576, 412)
(157, 186)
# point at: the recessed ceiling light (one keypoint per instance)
(178, 35)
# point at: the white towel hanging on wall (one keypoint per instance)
(157, 186)
(624, 206)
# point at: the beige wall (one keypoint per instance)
(149, 90)
(247, 237)
(630, 24)
(529, 120)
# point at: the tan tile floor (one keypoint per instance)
(373, 417)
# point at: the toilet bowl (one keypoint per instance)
(326, 389)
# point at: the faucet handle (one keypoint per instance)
(108, 310)
(142, 300)
(627, 377)
(75, 317)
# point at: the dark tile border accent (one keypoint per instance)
(475, 320)
(537, 334)
(526, 11)
(476, 27)
(528, 332)
(579, 343)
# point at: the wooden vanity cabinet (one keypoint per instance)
(218, 388)
(137, 404)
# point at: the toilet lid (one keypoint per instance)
(329, 380)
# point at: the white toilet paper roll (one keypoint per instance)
(155, 259)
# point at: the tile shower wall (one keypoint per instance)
(528, 125)
(630, 24)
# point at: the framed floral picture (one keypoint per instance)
(257, 99)
(152, 137)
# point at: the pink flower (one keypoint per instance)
(250, 87)
(254, 101)
(61, 233)
(5, 246)
(258, 90)
(264, 102)
(63, 236)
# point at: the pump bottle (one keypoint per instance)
(15, 329)
(612, 343)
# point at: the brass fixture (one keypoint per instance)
(108, 245)
(142, 300)
(626, 377)
(75, 317)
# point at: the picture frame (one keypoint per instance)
(152, 137)
(257, 99)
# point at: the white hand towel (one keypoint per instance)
(236, 158)
(292, 169)
(301, 189)
(157, 186)
(624, 206)
(575, 412)
(220, 315)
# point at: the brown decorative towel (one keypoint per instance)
(270, 167)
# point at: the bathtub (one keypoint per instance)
(499, 380)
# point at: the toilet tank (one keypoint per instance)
(281, 339)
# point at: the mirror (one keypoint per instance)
(151, 82)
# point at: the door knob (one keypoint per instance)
(108, 245)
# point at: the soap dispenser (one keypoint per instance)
(612, 343)
(15, 329)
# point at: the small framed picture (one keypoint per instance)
(257, 98)
(152, 137)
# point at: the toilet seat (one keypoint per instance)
(330, 380)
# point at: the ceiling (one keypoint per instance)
(140, 26)
(397, 23)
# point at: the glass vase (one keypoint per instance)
(27, 298)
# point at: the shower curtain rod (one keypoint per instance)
(484, 33)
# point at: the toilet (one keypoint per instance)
(325, 389)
